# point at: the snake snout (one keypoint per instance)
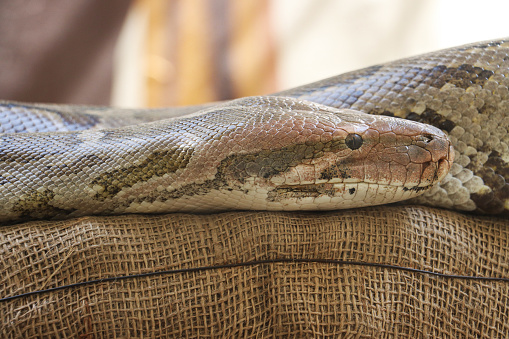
(431, 160)
(444, 163)
(432, 149)
(442, 154)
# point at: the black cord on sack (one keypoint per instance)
(258, 262)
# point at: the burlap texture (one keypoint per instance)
(277, 299)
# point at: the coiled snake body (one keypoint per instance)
(302, 149)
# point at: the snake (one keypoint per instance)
(431, 129)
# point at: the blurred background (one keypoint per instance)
(152, 53)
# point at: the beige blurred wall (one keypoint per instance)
(315, 39)
(321, 38)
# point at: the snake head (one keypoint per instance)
(316, 157)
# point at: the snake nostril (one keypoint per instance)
(426, 138)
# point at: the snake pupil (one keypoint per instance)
(353, 141)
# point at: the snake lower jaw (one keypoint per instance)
(338, 196)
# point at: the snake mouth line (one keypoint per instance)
(342, 184)
(338, 182)
(417, 189)
(360, 191)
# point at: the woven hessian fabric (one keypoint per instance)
(261, 298)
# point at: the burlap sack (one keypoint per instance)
(358, 274)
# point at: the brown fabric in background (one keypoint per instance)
(58, 50)
(290, 299)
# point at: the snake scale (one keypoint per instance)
(309, 148)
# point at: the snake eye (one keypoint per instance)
(353, 141)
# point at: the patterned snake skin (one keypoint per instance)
(464, 91)
(281, 152)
